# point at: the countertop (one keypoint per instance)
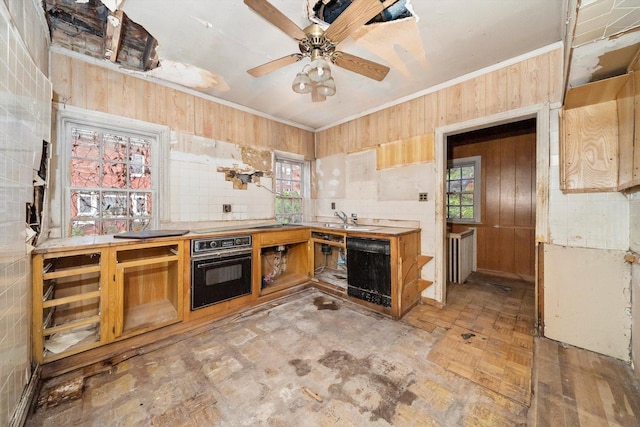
(83, 242)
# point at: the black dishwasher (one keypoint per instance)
(369, 270)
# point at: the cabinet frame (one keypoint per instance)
(39, 333)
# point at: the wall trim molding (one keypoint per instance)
(26, 400)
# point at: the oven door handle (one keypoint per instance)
(222, 260)
(209, 264)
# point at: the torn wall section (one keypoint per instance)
(205, 174)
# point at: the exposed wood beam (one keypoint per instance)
(115, 21)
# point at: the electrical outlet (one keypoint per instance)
(226, 208)
(333, 205)
(423, 197)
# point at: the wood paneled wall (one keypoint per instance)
(89, 86)
(533, 81)
(506, 237)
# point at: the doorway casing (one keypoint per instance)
(541, 113)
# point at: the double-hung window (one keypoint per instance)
(289, 181)
(463, 190)
(111, 176)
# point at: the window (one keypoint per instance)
(111, 173)
(289, 191)
(463, 190)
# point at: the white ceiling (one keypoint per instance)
(222, 39)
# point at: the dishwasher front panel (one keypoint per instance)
(369, 270)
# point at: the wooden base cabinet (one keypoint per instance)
(87, 298)
(147, 288)
(69, 302)
(280, 261)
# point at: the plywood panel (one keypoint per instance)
(590, 148)
(594, 93)
(586, 299)
(525, 182)
(514, 78)
(636, 138)
(506, 173)
(404, 152)
(626, 123)
(93, 87)
(79, 80)
(61, 81)
(496, 91)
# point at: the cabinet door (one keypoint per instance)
(589, 148)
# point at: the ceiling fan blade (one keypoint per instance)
(356, 15)
(263, 69)
(316, 96)
(367, 68)
(277, 18)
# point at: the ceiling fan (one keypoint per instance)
(320, 45)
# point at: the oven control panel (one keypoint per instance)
(215, 244)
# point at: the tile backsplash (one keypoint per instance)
(25, 121)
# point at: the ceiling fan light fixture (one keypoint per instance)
(301, 84)
(327, 87)
(319, 70)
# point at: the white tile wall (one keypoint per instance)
(198, 190)
(25, 114)
(588, 220)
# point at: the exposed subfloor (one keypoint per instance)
(312, 359)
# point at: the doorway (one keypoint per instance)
(539, 112)
(502, 209)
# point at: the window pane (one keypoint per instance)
(453, 212)
(467, 212)
(454, 199)
(468, 171)
(142, 148)
(467, 185)
(84, 173)
(114, 149)
(84, 204)
(466, 199)
(114, 175)
(139, 177)
(454, 173)
(85, 144)
(140, 224)
(141, 204)
(84, 228)
(114, 227)
(114, 205)
(454, 186)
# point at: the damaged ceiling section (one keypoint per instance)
(89, 27)
(99, 29)
(606, 40)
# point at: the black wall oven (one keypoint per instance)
(220, 269)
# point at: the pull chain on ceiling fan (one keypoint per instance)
(320, 46)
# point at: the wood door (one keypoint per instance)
(506, 233)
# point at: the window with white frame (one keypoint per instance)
(111, 176)
(463, 190)
(289, 181)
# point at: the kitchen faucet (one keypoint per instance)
(343, 217)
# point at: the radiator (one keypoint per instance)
(461, 255)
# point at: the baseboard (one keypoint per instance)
(28, 395)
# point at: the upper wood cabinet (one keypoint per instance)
(600, 136)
